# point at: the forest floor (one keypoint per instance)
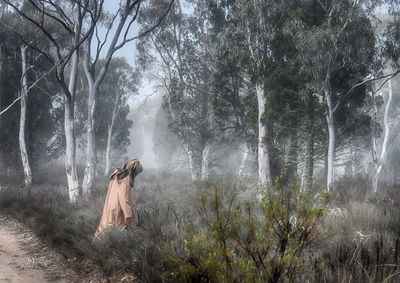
(23, 258)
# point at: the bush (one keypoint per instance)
(247, 241)
(228, 233)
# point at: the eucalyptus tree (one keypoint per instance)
(390, 61)
(124, 18)
(255, 19)
(37, 133)
(338, 63)
(61, 24)
(164, 51)
(182, 52)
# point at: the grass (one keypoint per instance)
(363, 246)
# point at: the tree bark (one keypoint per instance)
(292, 158)
(244, 159)
(191, 164)
(1, 72)
(331, 131)
(91, 153)
(382, 159)
(309, 163)
(69, 128)
(109, 136)
(22, 120)
(2, 161)
(205, 156)
(264, 172)
(94, 82)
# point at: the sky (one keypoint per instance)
(147, 157)
(128, 51)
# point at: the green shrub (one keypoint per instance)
(249, 241)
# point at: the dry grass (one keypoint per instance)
(364, 247)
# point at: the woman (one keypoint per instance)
(120, 209)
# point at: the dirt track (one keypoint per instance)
(23, 258)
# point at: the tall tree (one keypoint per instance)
(256, 21)
(61, 26)
(125, 17)
(329, 51)
(183, 49)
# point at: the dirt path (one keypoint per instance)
(23, 258)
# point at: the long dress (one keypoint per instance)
(119, 208)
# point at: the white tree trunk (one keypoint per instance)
(69, 128)
(191, 164)
(22, 144)
(331, 146)
(205, 156)
(2, 161)
(308, 169)
(1, 72)
(382, 159)
(94, 82)
(264, 173)
(91, 153)
(374, 138)
(109, 134)
(245, 150)
(108, 150)
(91, 158)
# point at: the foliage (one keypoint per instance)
(237, 241)
(219, 235)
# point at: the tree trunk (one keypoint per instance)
(91, 154)
(309, 163)
(244, 159)
(1, 73)
(382, 159)
(94, 81)
(292, 159)
(374, 140)
(69, 127)
(22, 144)
(91, 158)
(264, 172)
(109, 136)
(205, 155)
(331, 146)
(2, 161)
(191, 164)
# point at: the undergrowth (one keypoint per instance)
(222, 232)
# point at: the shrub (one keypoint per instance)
(247, 241)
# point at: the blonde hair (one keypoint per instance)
(132, 167)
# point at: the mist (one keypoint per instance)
(215, 141)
